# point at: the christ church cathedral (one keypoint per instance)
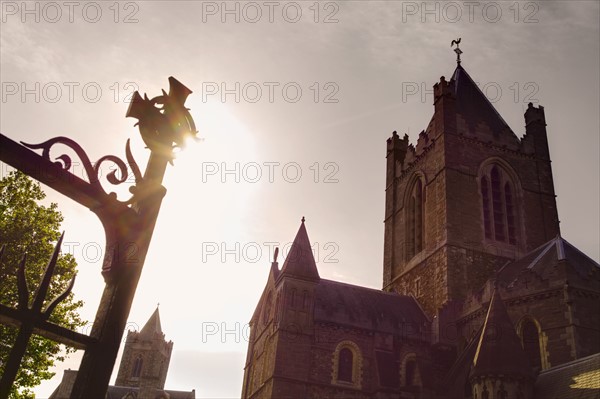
(482, 297)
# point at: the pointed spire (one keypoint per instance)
(300, 261)
(499, 351)
(473, 104)
(152, 326)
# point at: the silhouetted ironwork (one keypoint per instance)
(33, 320)
(164, 124)
(457, 50)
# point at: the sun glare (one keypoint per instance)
(208, 187)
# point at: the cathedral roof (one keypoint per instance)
(352, 305)
(543, 261)
(473, 104)
(367, 308)
(577, 379)
(152, 326)
(499, 350)
(300, 262)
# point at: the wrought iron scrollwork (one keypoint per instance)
(164, 122)
(92, 169)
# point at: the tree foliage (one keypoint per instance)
(27, 227)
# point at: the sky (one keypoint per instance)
(293, 102)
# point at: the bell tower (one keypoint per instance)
(467, 198)
(146, 357)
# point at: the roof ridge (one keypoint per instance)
(391, 293)
(550, 241)
(549, 245)
(560, 247)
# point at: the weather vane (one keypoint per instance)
(457, 50)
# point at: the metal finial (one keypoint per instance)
(303, 219)
(457, 50)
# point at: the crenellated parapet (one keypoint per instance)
(443, 88)
(396, 154)
(404, 155)
(535, 139)
(422, 142)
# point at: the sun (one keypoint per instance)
(208, 180)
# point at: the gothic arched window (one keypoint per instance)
(510, 213)
(414, 221)
(345, 365)
(485, 394)
(498, 205)
(409, 371)
(530, 337)
(137, 367)
(486, 207)
(502, 392)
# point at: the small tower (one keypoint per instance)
(501, 369)
(146, 357)
(282, 325)
(297, 281)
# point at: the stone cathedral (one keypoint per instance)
(482, 297)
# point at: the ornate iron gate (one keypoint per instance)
(164, 124)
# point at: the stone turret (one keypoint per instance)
(535, 131)
(444, 101)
